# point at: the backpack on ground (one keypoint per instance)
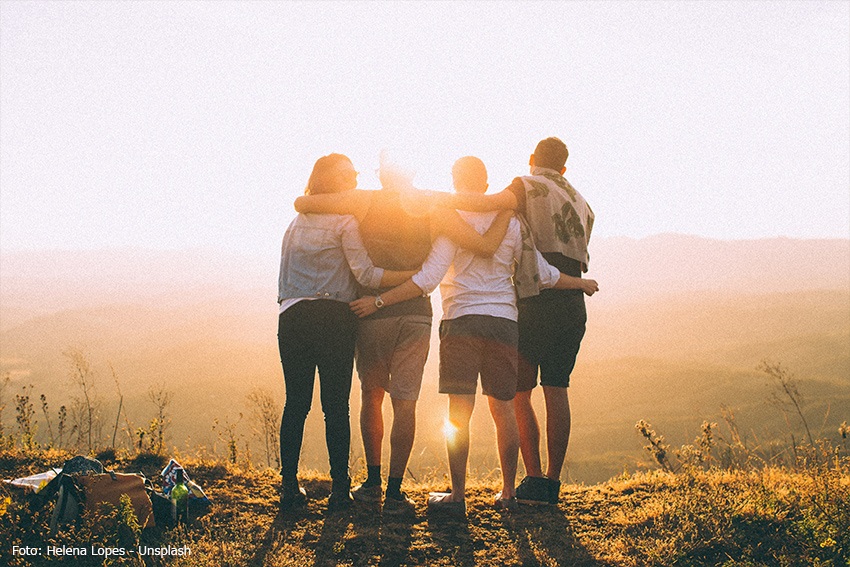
(84, 484)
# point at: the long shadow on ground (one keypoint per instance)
(543, 535)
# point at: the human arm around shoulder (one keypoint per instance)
(354, 202)
(422, 283)
(449, 223)
(505, 199)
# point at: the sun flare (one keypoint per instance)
(449, 430)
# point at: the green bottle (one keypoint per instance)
(180, 497)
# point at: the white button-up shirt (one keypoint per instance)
(474, 285)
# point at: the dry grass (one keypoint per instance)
(730, 518)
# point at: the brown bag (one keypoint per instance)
(109, 487)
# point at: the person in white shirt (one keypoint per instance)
(478, 334)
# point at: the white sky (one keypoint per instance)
(173, 125)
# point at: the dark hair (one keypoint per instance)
(322, 178)
(470, 173)
(551, 153)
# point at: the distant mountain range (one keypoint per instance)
(668, 264)
(677, 329)
(39, 282)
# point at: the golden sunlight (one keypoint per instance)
(449, 430)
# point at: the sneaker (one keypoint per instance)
(505, 504)
(534, 490)
(438, 503)
(292, 498)
(399, 505)
(339, 500)
(363, 493)
(554, 491)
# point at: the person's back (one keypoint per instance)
(558, 216)
(397, 240)
(313, 259)
(394, 236)
(477, 285)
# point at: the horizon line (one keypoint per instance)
(123, 247)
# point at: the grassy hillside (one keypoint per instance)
(718, 517)
(674, 336)
(675, 363)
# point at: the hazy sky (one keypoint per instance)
(169, 125)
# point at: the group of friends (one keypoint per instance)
(355, 273)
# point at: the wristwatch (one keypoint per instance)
(379, 302)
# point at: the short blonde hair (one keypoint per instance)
(470, 174)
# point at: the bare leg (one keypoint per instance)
(460, 410)
(507, 437)
(529, 433)
(372, 424)
(401, 436)
(558, 422)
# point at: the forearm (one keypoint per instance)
(568, 282)
(476, 202)
(403, 292)
(392, 278)
(344, 203)
(368, 304)
(420, 283)
(588, 286)
(435, 266)
(451, 224)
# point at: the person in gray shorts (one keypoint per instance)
(478, 335)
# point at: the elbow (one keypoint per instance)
(299, 205)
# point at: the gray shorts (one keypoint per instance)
(391, 354)
(475, 345)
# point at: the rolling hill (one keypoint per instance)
(676, 332)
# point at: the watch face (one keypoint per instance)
(379, 302)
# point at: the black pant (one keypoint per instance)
(317, 333)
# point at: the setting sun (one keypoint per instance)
(291, 245)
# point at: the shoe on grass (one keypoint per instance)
(399, 505)
(534, 490)
(554, 491)
(438, 503)
(505, 504)
(339, 500)
(292, 498)
(364, 493)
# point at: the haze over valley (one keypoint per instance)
(677, 331)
